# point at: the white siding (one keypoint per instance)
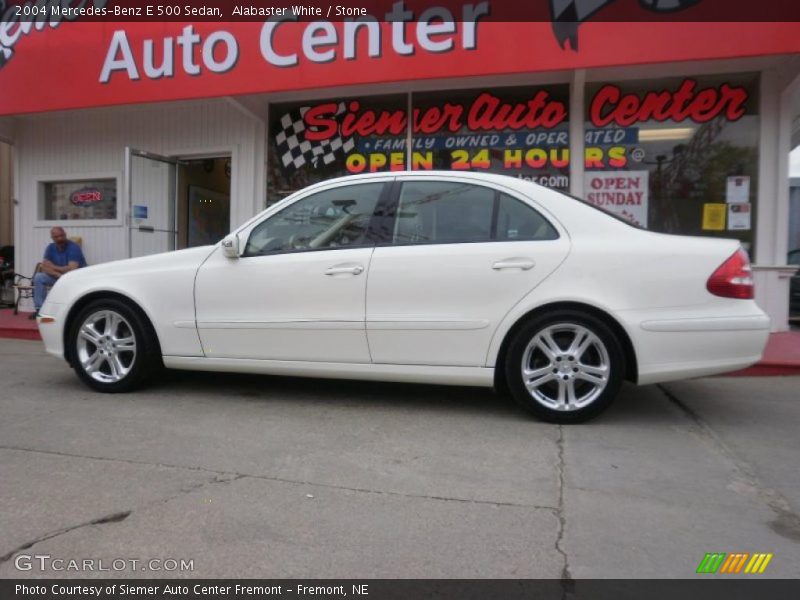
(92, 142)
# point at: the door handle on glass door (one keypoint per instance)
(345, 269)
(514, 263)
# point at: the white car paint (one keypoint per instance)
(437, 313)
(287, 308)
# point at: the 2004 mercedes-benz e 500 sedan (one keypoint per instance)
(432, 277)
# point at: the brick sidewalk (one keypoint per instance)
(17, 327)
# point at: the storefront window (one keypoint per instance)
(318, 140)
(676, 155)
(520, 131)
(80, 199)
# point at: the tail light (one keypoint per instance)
(733, 278)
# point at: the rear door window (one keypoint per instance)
(439, 212)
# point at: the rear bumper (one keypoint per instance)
(682, 348)
(663, 372)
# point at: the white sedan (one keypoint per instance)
(435, 277)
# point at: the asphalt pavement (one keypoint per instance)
(246, 476)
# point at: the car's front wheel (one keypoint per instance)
(111, 347)
(565, 367)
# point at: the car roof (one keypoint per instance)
(505, 180)
(522, 186)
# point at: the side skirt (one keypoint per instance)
(470, 376)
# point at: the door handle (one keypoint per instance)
(523, 264)
(345, 269)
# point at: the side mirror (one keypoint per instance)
(230, 246)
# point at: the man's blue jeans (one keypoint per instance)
(41, 283)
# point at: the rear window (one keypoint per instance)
(605, 212)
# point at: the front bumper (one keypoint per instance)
(51, 321)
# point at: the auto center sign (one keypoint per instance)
(97, 60)
(281, 45)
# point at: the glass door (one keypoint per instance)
(152, 182)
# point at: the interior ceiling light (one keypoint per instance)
(668, 134)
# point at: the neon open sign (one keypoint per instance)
(86, 196)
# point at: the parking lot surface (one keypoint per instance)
(270, 477)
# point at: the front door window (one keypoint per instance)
(337, 218)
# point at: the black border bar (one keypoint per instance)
(705, 587)
(561, 11)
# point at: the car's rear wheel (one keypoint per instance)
(111, 347)
(565, 367)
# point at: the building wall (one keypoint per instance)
(92, 142)
(6, 188)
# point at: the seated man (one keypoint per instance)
(60, 257)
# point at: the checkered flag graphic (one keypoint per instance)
(567, 15)
(296, 151)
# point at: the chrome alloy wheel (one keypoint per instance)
(106, 346)
(565, 367)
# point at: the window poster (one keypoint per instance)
(520, 131)
(140, 211)
(624, 193)
(737, 189)
(321, 139)
(739, 216)
(714, 216)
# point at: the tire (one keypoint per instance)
(565, 366)
(112, 348)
